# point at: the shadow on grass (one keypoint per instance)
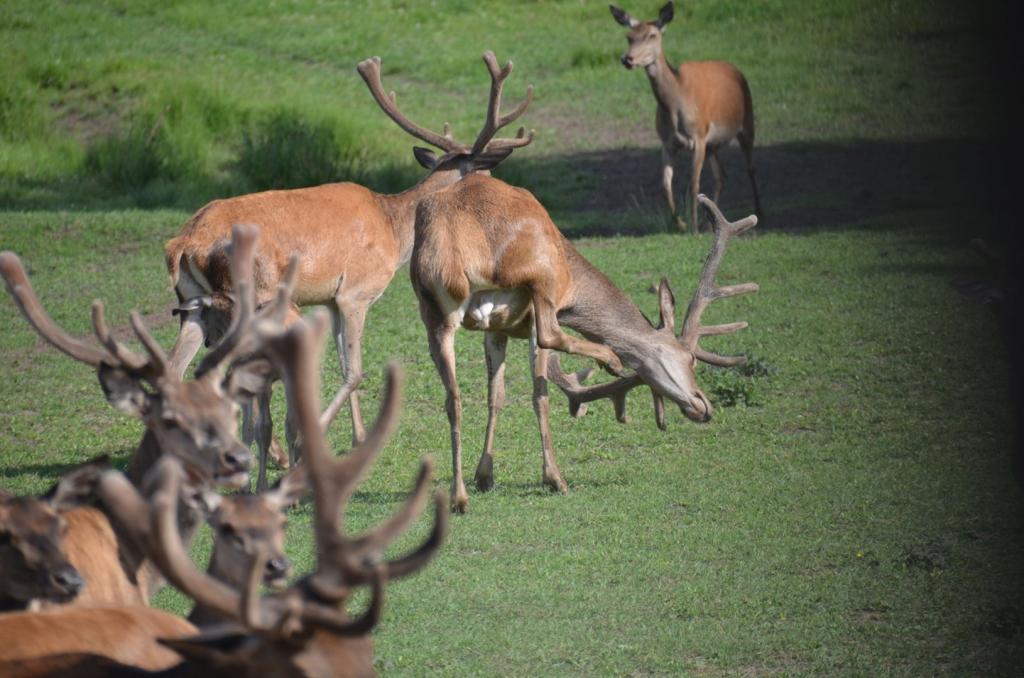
(119, 459)
(805, 186)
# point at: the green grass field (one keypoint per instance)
(849, 511)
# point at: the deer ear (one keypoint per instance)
(78, 485)
(425, 157)
(665, 15)
(192, 305)
(290, 488)
(622, 16)
(123, 391)
(248, 380)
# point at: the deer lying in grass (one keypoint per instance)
(33, 565)
(488, 257)
(303, 631)
(194, 420)
(701, 105)
(349, 239)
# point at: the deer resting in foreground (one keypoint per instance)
(305, 630)
(349, 239)
(33, 565)
(488, 257)
(195, 420)
(244, 526)
(702, 105)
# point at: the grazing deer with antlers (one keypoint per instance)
(193, 420)
(488, 257)
(349, 239)
(33, 564)
(701, 105)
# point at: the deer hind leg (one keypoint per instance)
(553, 479)
(494, 347)
(349, 319)
(748, 155)
(718, 172)
(441, 337)
(551, 336)
(699, 149)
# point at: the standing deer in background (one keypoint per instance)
(701, 105)
(349, 239)
(194, 420)
(488, 257)
(33, 566)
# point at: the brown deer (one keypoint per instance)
(350, 241)
(488, 257)
(118, 635)
(701, 105)
(193, 420)
(303, 631)
(33, 565)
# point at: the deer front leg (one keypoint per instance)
(541, 407)
(494, 347)
(699, 150)
(349, 319)
(667, 172)
(550, 335)
(262, 430)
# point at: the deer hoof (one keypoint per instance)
(556, 484)
(484, 476)
(460, 504)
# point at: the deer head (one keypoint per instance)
(245, 525)
(644, 37)
(197, 419)
(486, 152)
(32, 529)
(668, 366)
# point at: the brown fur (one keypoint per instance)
(125, 634)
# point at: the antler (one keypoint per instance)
(494, 120)
(240, 339)
(369, 69)
(708, 292)
(342, 562)
(116, 354)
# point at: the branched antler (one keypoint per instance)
(707, 291)
(113, 355)
(369, 69)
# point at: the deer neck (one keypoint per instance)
(202, 615)
(189, 518)
(602, 313)
(665, 83)
(400, 208)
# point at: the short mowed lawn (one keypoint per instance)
(850, 510)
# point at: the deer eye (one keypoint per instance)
(5, 539)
